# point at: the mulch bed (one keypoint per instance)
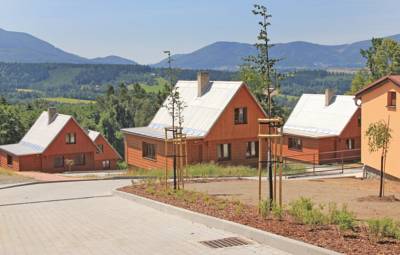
(327, 236)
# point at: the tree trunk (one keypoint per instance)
(381, 183)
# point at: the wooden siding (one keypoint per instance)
(225, 128)
(321, 150)
(205, 150)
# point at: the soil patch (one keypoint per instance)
(327, 236)
(350, 191)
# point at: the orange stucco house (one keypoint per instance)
(220, 121)
(378, 101)
(323, 128)
(55, 139)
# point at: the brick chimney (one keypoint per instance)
(329, 94)
(52, 112)
(202, 83)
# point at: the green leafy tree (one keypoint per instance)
(379, 136)
(383, 58)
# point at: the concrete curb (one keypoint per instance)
(263, 237)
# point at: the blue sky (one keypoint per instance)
(141, 30)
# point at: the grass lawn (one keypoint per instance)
(6, 172)
(68, 100)
(214, 170)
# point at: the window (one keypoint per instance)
(149, 150)
(79, 160)
(252, 149)
(391, 99)
(100, 149)
(9, 160)
(106, 164)
(58, 161)
(359, 121)
(350, 144)
(224, 151)
(70, 138)
(241, 115)
(295, 143)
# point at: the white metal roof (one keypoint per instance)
(200, 113)
(93, 134)
(312, 118)
(39, 136)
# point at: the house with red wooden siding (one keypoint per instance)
(323, 128)
(57, 143)
(220, 122)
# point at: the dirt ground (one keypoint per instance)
(353, 192)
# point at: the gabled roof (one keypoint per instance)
(93, 134)
(42, 134)
(393, 78)
(311, 118)
(39, 136)
(200, 113)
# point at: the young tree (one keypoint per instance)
(260, 69)
(264, 66)
(379, 136)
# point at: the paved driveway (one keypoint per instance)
(83, 218)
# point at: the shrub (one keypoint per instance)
(304, 211)
(343, 218)
(386, 227)
(265, 208)
(151, 190)
(122, 165)
(239, 208)
(278, 211)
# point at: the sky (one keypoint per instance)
(142, 30)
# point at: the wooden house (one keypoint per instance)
(56, 143)
(378, 102)
(323, 128)
(220, 121)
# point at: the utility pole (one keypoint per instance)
(173, 116)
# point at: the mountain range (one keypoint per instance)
(293, 55)
(17, 47)
(24, 48)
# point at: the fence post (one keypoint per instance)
(342, 162)
(313, 163)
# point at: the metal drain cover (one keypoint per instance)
(225, 242)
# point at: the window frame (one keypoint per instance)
(100, 149)
(81, 161)
(236, 118)
(352, 142)
(108, 164)
(70, 138)
(295, 143)
(10, 160)
(149, 151)
(221, 151)
(60, 165)
(391, 99)
(249, 152)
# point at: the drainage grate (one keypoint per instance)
(225, 242)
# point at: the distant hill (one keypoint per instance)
(229, 55)
(17, 47)
(113, 60)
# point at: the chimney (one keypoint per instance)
(202, 83)
(52, 112)
(329, 94)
